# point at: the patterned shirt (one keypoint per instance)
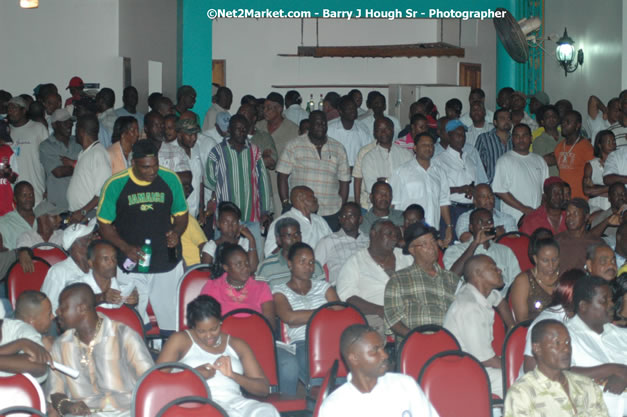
(240, 177)
(490, 150)
(118, 360)
(333, 251)
(322, 173)
(415, 298)
(535, 395)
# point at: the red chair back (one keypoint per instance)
(157, 388)
(21, 390)
(21, 412)
(50, 252)
(420, 345)
(126, 315)
(518, 242)
(19, 281)
(189, 288)
(513, 353)
(192, 407)
(327, 387)
(253, 327)
(498, 333)
(324, 328)
(456, 384)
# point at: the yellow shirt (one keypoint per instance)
(191, 239)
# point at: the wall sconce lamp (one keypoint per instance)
(565, 54)
(29, 4)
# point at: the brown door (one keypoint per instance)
(470, 75)
(218, 72)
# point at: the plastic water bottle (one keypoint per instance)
(144, 262)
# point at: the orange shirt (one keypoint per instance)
(571, 161)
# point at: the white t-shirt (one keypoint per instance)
(92, 170)
(523, 176)
(361, 276)
(210, 247)
(353, 140)
(13, 330)
(412, 184)
(26, 141)
(394, 395)
(616, 163)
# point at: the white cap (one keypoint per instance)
(76, 231)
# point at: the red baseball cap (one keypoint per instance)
(75, 82)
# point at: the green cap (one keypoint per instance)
(188, 126)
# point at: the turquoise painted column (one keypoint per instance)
(506, 73)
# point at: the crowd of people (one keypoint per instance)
(293, 209)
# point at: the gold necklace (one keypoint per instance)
(86, 356)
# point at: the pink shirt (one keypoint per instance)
(252, 296)
(406, 143)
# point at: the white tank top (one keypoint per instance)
(222, 388)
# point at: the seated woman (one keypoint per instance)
(235, 287)
(295, 302)
(561, 309)
(227, 363)
(531, 291)
(231, 232)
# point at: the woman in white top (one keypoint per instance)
(227, 363)
(231, 231)
(295, 301)
(593, 186)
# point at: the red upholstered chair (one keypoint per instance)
(189, 288)
(456, 384)
(21, 390)
(126, 315)
(327, 387)
(254, 328)
(324, 328)
(19, 281)
(518, 242)
(498, 333)
(420, 345)
(21, 412)
(192, 407)
(50, 252)
(513, 354)
(156, 388)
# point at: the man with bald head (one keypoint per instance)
(551, 389)
(304, 207)
(471, 315)
(110, 358)
(371, 390)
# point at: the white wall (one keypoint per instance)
(598, 30)
(148, 33)
(624, 67)
(58, 40)
(250, 48)
(479, 41)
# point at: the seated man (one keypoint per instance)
(21, 344)
(423, 292)
(102, 260)
(599, 347)
(110, 358)
(362, 279)
(575, 240)
(333, 250)
(304, 208)
(274, 269)
(550, 214)
(20, 220)
(371, 391)
(48, 222)
(483, 232)
(483, 197)
(471, 316)
(76, 238)
(601, 261)
(602, 222)
(381, 199)
(551, 389)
